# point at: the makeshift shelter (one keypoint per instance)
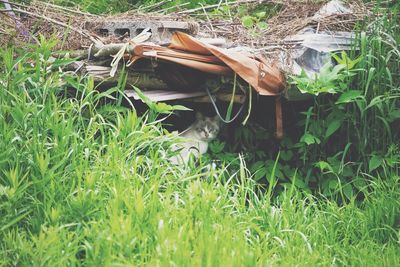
(172, 57)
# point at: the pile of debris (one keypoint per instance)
(172, 56)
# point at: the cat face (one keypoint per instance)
(206, 128)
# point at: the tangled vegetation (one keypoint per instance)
(85, 180)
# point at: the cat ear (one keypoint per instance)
(199, 116)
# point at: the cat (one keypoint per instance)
(196, 138)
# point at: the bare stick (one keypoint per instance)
(216, 5)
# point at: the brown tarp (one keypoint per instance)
(188, 51)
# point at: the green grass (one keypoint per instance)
(88, 183)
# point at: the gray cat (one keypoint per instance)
(196, 138)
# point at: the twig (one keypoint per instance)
(219, 4)
(209, 21)
(216, 5)
(13, 4)
(83, 33)
(211, 15)
(176, 6)
(227, 24)
(229, 11)
(150, 7)
(68, 9)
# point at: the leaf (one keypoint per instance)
(376, 101)
(144, 98)
(217, 146)
(310, 139)
(73, 82)
(180, 107)
(323, 165)
(346, 60)
(326, 81)
(90, 84)
(260, 174)
(162, 107)
(349, 96)
(261, 14)
(259, 170)
(248, 21)
(333, 183)
(348, 191)
(333, 127)
(256, 166)
(14, 221)
(286, 155)
(62, 62)
(165, 108)
(300, 184)
(262, 25)
(394, 115)
(375, 162)
(158, 107)
(328, 74)
(107, 94)
(230, 107)
(348, 171)
(360, 183)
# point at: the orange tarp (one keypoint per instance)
(210, 64)
(190, 52)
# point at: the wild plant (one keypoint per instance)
(355, 130)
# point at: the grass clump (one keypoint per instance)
(85, 181)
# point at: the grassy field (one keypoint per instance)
(82, 184)
(88, 183)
